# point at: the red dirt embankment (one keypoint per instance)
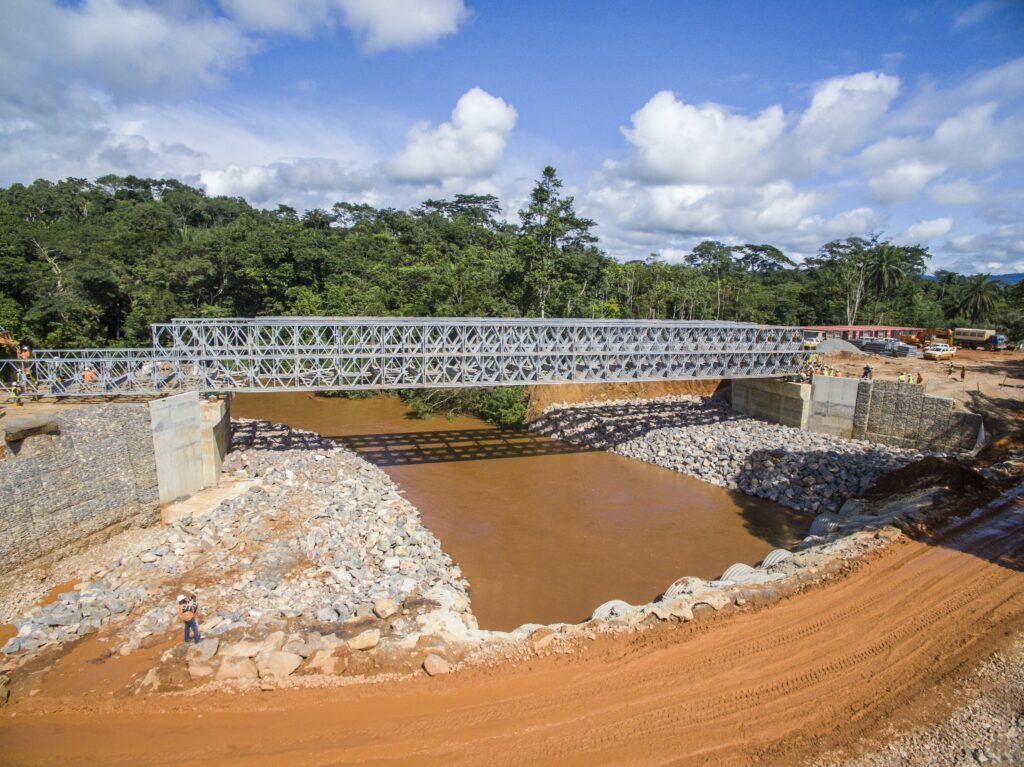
(820, 671)
(545, 395)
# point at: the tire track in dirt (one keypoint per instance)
(819, 670)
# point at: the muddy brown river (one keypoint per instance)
(544, 531)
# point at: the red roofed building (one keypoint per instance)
(852, 332)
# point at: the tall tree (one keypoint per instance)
(845, 263)
(979, 297)
(715, 259)
(550, 230)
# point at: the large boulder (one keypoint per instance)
(323, 662)
(246, 648)
(365, 641)
(385, 608)
(278, 664)
(234, 667)
(204, 650)
(271, 645)
(435, 665)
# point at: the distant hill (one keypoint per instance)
(1009, 279)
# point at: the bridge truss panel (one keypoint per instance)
(323, 353)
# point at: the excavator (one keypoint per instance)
(929, 336)
(6, 340)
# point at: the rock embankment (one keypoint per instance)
(810, 472)
(321, 538)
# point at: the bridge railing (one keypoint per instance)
(98, 372)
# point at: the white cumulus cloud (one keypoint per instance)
(128, 50)
(379, 25)
(959, 191)
(903, 181)
(677, 142)
(922, 232)
(402, 23)
(470, 145)
(842, 114)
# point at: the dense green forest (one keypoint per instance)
(94, 263)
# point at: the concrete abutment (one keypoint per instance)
(73, 475)
(887, 412)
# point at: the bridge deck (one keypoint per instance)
(326, 353)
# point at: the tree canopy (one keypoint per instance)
(94, 263)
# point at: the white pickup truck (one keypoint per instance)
(939, 352)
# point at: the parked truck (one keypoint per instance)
(978, 338)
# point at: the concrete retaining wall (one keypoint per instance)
(773, 400)
(94, 477)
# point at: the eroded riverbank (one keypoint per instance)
(544, 531)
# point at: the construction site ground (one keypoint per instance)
(994, 374)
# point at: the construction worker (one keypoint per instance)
(951, 368)
(88, 375)
(902, 377)
(920, 379)
(963, 373)
(16, 395)
(188, 606)
(25, 355)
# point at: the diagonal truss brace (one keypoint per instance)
(324, 353)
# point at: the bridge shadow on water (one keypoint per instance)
(451, 445)
(409, 448)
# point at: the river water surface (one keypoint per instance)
(544, 531)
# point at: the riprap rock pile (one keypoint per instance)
(803, 470)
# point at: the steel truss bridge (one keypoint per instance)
(328, 353)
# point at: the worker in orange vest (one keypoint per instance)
(188, 606)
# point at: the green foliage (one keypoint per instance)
(95, 263)
(504, 406)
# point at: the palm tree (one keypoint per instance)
(886, 267)
(979, 297)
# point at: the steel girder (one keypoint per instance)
(323, 353)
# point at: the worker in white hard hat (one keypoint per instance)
(188, 607)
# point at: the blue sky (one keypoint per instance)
(786, 122)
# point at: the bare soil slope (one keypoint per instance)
(822, 670)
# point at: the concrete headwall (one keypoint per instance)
(177, 445)
(215, 433)
(833, 404)
(190, 438)
(96, 475)
(773, 400)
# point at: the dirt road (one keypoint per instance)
(819, 671)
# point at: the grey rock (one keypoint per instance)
(435, 665)
(326, 614)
